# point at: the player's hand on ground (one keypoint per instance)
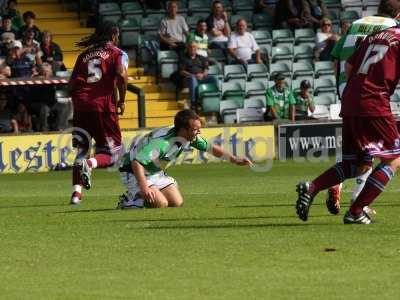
(120, 107)
(242, 161)
(149, 195)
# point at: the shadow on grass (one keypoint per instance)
(86, 211)
(268, 205)
(224, 226)
(209, 219)
(33, 206)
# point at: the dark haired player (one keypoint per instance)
(99, 71)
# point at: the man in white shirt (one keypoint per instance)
(242, 46)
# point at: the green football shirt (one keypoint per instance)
(347, 43)
(158, 148)
(302, 105)
(280, 101)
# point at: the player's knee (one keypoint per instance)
(176, 202)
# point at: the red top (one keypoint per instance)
(93, 79)
(374, 75)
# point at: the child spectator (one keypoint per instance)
(304, 101)
(6, 27)
(23, 118)
(29, 20)
(31, 47)
(51, 52)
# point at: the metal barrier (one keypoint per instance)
(140, 102)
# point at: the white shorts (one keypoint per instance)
(159, 180)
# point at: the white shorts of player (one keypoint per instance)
(159, 180)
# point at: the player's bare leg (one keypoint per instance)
(173, 196)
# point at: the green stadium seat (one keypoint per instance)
(282, 36)
(151, 24)
(130, 33)
(255, 88)
(325, 99)
(323, 68)
(167, 62)
(209, 97)
(262, 37)
(337, 4)
(283, 67)
(234, 72)
(324, 85)
(263, 21)
(302, 68)
(131, 9)
(109, 7)
(233, 90)
(215, 70)
(243, 5)
(227, 111)
(198, 6)
(281, 53)
(303, 53)
(304, 35)
(255, 102)
(257, 71)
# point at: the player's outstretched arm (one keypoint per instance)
(240, 161)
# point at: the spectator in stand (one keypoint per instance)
(344, 27)
(173, 30)
(218, 26)
(280, 101)
(20, 64)
(42, 99)
(200, 37)
(265, 6)
(15, 15)
(51, 52)
(304, 101)
(29, 20)
(23, 118)
(6, 27)
(318, 11)
(7, 39)
(8, 123)
(242, 46)
(31, 47)
(293, 14)
(325, 41)
(194, 70)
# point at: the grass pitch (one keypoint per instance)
(237, 237)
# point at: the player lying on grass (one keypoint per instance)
(142, 170)
(369, 128)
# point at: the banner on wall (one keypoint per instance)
(311, 140)
(40, 153)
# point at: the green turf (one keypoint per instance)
(237, 237)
